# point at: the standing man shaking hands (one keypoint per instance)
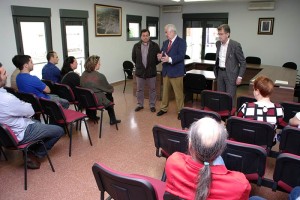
(230, 62)
(172, 58)
(144, 55)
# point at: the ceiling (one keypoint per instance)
(170, 2)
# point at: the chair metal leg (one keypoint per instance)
(101, 118)
(164, 177)
(87, 130)
(70, 135)
(124, 85)
(2, 152)
(48, 157)
(117, 126)
(25, 169)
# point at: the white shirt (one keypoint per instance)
(298, 117)
(170, 59)
(15, 113)
(222, 54)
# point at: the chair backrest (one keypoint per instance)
(54, 110)
(290, 140)
(128, 65)
(122, 186)
(50, 84)
(11, 90)
(187, 57)
(210, 56)
(286, 173)
(190, 115)
(33, 100)
(169, 196)
(250, 131)
(290, 65)
(64, 91)
(86, 98)
(253, 60)
(246, 158)
(7, 137)
(169, 140)
(216, 101)
(194, 83)
(243, 99)
(289, 110)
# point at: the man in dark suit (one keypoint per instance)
(144, 55)
(172, 56)
(230, 62)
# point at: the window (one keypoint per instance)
(200, 32)
(33, 34)
(134, 24)
(152, 26)
(74, 30)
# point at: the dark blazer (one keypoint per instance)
(177, 53)
(150, 70)
(235, 61)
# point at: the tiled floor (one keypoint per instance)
(130, 150)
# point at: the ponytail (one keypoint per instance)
(203, 183)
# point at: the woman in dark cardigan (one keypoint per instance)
(97, 82)
(69, 77)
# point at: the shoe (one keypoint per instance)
(117, 121)
(161, 112)
(138, 108)
(32, 161)
(152, 109)
(178, 117)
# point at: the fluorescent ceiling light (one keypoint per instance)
(176, 0)
(197, 0)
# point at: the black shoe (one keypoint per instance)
(178, 117)
(32, 161)
(161, 112)
(138, 108)
(117, 121)
(152, 109)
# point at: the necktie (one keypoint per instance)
(169, 46)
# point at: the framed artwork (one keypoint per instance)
(108, 20)
(265, 26)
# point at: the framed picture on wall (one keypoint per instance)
(265, 26)
(108, 20)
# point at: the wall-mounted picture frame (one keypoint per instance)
(108, 20)
(265, 26)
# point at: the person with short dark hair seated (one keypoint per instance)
(195, 176)
(28, 83)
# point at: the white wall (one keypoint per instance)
(274, 49)
(112, 50)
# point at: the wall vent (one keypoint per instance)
(171, 9)
(264, 5)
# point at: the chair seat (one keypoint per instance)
(72, 115)
(158, 185)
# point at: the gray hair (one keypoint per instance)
(171, 27)
(207, 139)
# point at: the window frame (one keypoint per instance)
(31, 14)
(133, 19)
(68, 17)
(154, 21)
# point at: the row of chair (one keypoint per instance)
(221, 102)
(249, 159)
(246, 158)
(248, 131)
